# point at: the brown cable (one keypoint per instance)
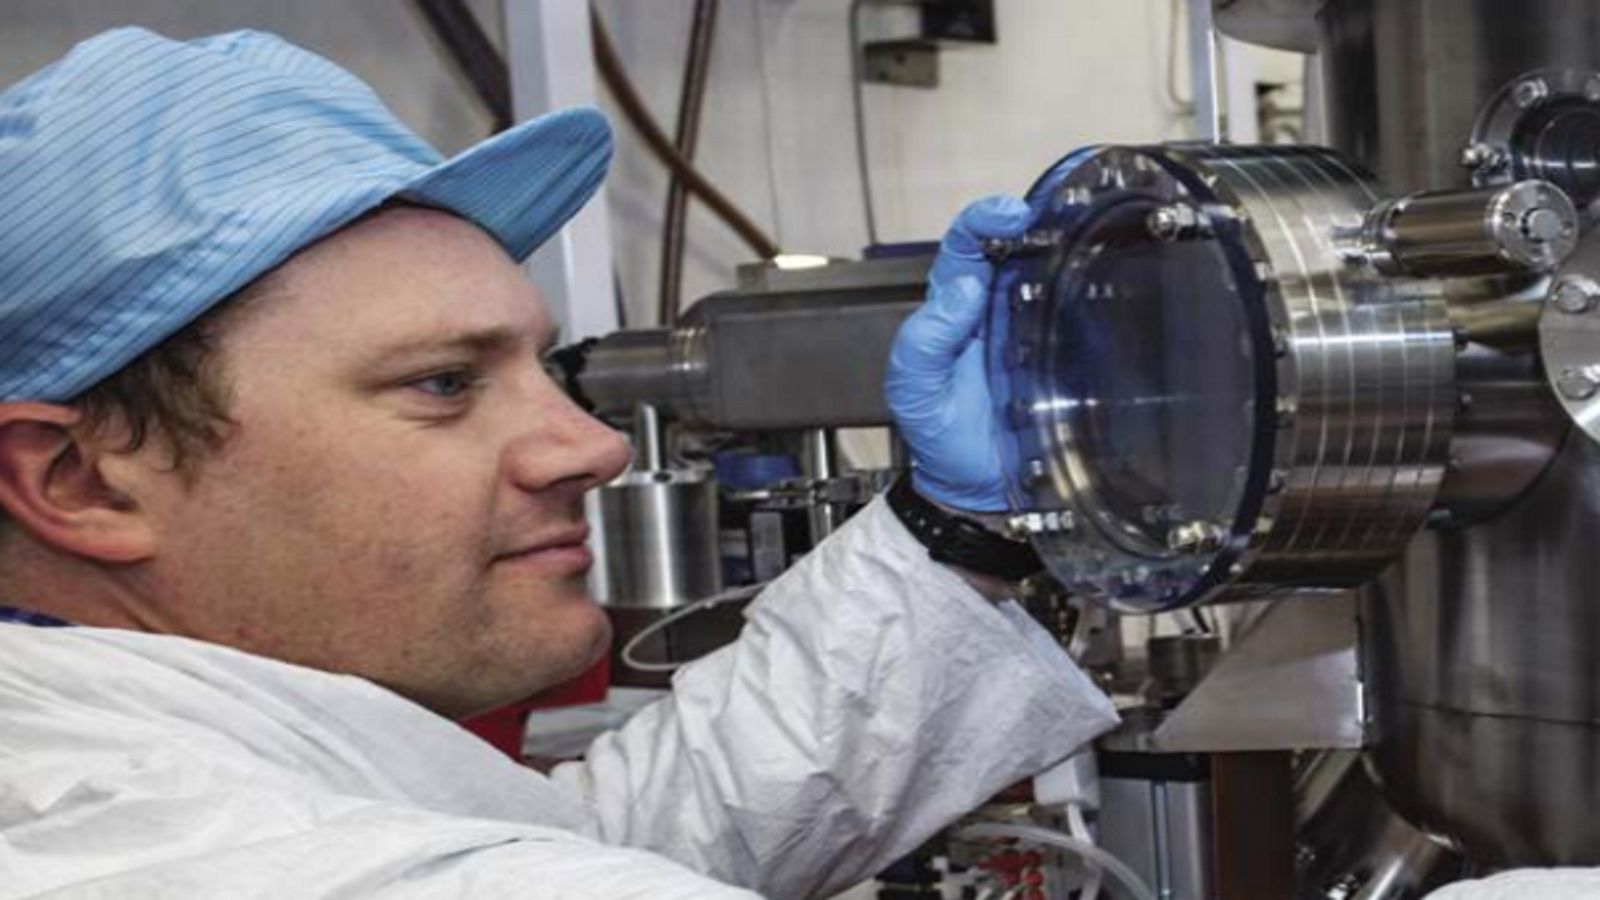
(638, 115)
(691, 99)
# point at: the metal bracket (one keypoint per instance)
(1289, 683)
(909, 63)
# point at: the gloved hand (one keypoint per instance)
(937, 386)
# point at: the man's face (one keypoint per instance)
(401, 497)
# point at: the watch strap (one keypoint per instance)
(956, 540)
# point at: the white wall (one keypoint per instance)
(777, 132)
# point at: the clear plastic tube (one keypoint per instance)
(704, 603)
(1078, 828)
(1050, 837)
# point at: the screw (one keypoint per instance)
(1576, 385)
(1036, 472)
(1198, 536)
(1542, 224)
(1030, 291)
(1032, 243)
(1284, 409)
(1041, 523)
(1575, 296)
(1474, 156)
(1344, 888)
(1171, 223)
(1280, 342)
(1530, 93)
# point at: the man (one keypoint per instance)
(286, 489)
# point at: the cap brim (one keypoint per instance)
(523, 184)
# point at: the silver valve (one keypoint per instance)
(1527, 226)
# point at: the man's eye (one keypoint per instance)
(447, 385)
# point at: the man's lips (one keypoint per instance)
(566, 549)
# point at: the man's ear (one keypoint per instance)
(52, 485)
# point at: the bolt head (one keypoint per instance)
(1574, 297)
(1530, 93)
(1475, 156)
(1035, 472)
(1542, 225)
(1198, 536)
(1163, 222)
(1576, 385)
(1280, 343)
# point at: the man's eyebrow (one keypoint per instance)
(485, 341)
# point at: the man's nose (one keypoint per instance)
(565, 445)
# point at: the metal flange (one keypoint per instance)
(1569, 335)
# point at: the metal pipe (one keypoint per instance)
(647, 454)
(690, 99)
(638, 115)
(464, 39)
(820, 457)
(1203, 72)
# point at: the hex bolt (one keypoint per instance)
(1174, 222)
(1053, 522)
(1163, 223)
(1284, 409)
(1476, 156)
(1575, 296)
(1575, 384)
(1530, 93)
(1198, 536)
(1277, 481)
(1591, 89)
(1280, 342)
(1035, 473)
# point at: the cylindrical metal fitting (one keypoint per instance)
(1529, 225)
(664, 368)
(1238, 411)
(660, 539)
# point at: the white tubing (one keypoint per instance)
(639, 665)
(1050, 837)
(1079, 829)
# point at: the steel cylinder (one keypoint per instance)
(1405, 80)
(1527, 226)
(660, 539)
(1479, 646)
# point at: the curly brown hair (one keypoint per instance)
(174, 393)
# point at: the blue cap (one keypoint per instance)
(144, 180)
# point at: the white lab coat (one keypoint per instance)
(872, 697)
(1527, 884)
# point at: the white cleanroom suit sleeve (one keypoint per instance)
(149, 767)
(1527, 884)
(872, 698)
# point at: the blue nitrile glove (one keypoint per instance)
(936, 386)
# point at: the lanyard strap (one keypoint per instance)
(29, 617)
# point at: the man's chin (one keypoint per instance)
(583, 647)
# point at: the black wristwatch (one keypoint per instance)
(959, 541)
